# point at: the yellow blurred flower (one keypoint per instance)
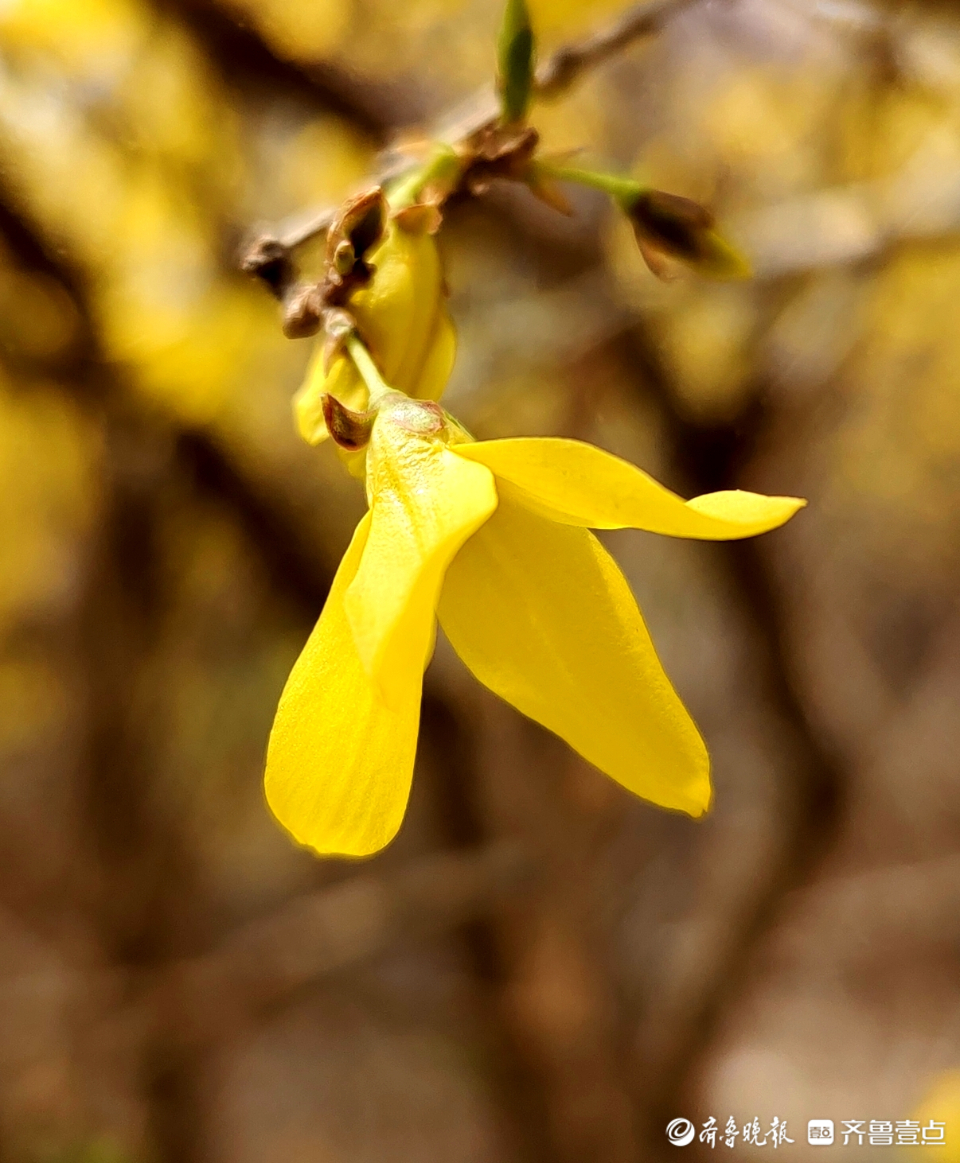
(936, 1121)
(493, 538)
(403, 319)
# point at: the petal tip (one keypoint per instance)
(791, 506)
(368, 839)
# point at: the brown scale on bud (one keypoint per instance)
(303, 311)
(350, 430)
(420, 218)
(357, 228)
(497, 151)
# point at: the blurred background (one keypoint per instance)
(541, 969)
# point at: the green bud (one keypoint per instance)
(344, 257)
(515, 49)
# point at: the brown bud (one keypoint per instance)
(674, 224)
(351, 430)
(269, 260)
(302, 311)
(669, 226)
(344, 256)
(497, 151)
(360, 223)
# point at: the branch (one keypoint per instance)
(245, 61)
(570, 62)
(557, 74)
(326, 933)
(856, 223)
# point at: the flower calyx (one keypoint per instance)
(419, 417)
(497, 151)
(350, 430)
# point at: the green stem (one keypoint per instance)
(624, 190)
(363, 361)
(442, 164)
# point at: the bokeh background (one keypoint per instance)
(540, 969)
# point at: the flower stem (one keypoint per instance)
(623, 190)
(441, 165)
(363, 361)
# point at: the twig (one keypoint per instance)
(564, 67)
(569, 62)
(480, 111)
(245, 60)
(326, 933)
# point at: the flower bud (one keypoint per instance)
(515, 50)
(402, 318)
(670, 227)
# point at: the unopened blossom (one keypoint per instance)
(493, 538)
(668, 227)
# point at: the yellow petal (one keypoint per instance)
(542, 615)
(439, 361)
(339, 763)
(425, 502)
(397, 313)
(579, 484)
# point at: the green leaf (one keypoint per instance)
(515, 59)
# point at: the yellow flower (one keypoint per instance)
(403, 319)
(494, 539)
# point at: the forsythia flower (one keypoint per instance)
(493, 538)
(403, 317)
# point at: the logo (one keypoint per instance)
(820, 1132)
(680, 1132)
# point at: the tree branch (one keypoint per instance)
(327, 933)
(247, 62)
(555, 76)
(568, 64)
